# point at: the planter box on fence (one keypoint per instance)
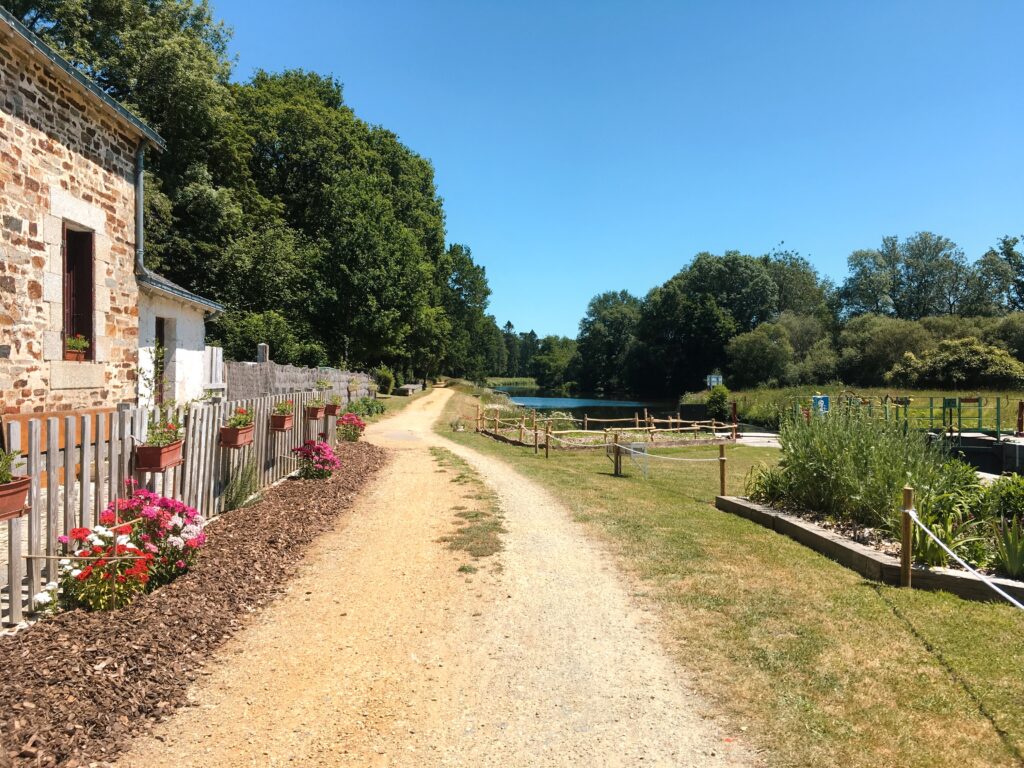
(281, 422)
(13, 498)
(157, 458)
(313, 412)
(864, 560)
(237, 437)
(333, 410)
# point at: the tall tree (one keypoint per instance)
(605, 341)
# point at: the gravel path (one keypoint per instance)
(385, 655)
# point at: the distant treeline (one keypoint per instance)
(912, 312)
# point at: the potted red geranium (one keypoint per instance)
(13, 490)
(315, 409)
(162, 448)
(75, 347)
(238, 431)
(281, 418)
(334, 406)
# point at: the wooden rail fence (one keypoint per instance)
(81, 461)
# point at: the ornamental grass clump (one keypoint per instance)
(350, 427)
(847, 466)
(316, 460)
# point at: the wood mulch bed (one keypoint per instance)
(75, 688)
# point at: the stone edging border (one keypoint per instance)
(864, 560)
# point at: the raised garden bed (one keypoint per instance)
(78, 686)
(865, 560)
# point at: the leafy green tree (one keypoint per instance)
(959, 363)
(607, 335)
(800, 290)
(740, 285)
(512, 345)
(758, 356)
(551, 365)
(870, 345)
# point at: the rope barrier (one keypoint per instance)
(664, 458)
(988, 582)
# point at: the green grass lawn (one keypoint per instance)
(819, 666)
(393, 404)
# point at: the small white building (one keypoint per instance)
(173, 319)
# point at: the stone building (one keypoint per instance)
(71, 161)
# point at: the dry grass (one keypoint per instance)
(822, 667)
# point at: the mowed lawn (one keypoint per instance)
(810, 662)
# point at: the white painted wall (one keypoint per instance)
(186, 342)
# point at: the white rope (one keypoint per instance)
(665, 458)
(995, 587)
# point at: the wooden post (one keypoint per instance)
(636, 420)
(721, 469)
(478, 417)
(586, 422)
(907, 542)
(536, 437)
(547, 441)
(522, 430)
(534, 413)
(616, 455)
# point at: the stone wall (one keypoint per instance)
(63, 158)
(246, 380)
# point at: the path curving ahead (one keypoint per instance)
(384, 655)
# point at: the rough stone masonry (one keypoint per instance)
(65, 160)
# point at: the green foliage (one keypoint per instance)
(848, 466)
(1009, 546)
(551, 365)
(366, 406)
(717, 403)
(606, 338)
(1005, 497)
(947, 505)
(959, 363)
(871, 345)
(7, 459)
(763, 354)
(243, 486)
(385, 379)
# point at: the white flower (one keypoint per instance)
(75, 572)
(176, 521)
(190, 531)
(65, 561)
(43, 598)
(122, 540)
(50, 586)
(176, 541)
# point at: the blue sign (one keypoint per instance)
(820, 403)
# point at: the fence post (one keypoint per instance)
(907, 542)
(522, 429)
(721, 469)
(547, 441)
(586, 422)
(536, 437)
(478, 417)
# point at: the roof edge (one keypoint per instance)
(68, 68)
(166, 287)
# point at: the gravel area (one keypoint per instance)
(77, 687)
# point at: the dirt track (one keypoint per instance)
(385, 655)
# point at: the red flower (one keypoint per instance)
(85, 574)
(171, 426)
(241, 411)
(80, 534)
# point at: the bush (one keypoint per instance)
(350, 427)
(717, 403)
(366, 406)
(385, 379)
(948, 506)
(847, 466)
(958, 364)
(316, 460)
(762, 355)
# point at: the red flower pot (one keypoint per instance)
(13, 496)
(281, 422)
(333, 410)
(313, 412)
(75, 355)
(236, 437)
(157, 458)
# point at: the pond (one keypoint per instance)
(593, 406)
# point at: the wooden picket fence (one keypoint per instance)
(80, 462)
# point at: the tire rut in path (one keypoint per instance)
(382, 654)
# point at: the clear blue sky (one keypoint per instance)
(589, 146)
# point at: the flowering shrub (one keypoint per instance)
(141, 542)
(350, 427)
(317, 460)
(284, 408)
(315, 402)
(106, 571)
(240, 418)
(161, 433)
